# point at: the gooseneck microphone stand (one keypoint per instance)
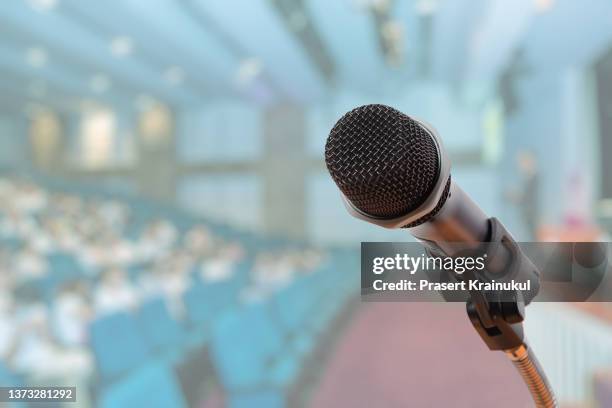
(500, 325)
(498, 319)
(525, 362)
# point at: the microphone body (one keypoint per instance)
(459, 220)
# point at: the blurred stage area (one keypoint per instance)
(169, 235)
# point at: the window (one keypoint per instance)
(97, 147)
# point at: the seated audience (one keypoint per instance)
(114, 293)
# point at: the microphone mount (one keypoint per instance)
(499, 319)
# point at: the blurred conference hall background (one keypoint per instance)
(169, 235)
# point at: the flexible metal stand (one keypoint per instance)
(499, 322)
(498, 317)
(500, 326)
(527, 365)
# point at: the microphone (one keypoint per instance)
(393, 171)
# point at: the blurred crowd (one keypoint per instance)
(114, 266)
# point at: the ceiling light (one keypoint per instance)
(393, 34)
(381, 6)
(174, 75)
(392, 30)
(36, 57)
(543, 6)
(42, 5)
(121, 46)
(100, 83)
(426, 7)
(248, 70)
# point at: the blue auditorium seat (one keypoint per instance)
(250, 355)
(65, 264)
(63, 268)
(153, 386)
(294, 309)
(117, 344)
(135, 271)
(205, 301)
(8, 378)
(11, 243)
(161, 331)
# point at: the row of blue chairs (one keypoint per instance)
(258, 349)
(128, 346)
(136, 355)
(122, 341)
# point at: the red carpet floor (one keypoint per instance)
(416, 355)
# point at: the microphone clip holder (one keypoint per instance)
(498, 323)
(498, 318)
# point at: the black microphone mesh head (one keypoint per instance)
(385, 163)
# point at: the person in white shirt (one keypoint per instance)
(38, 355)
(222, 265)
(115, 293)
(17, 225)
(217, 268)
(71, 315)
(199, 241)
(165, 232)
(30, 265)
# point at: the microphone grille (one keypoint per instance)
(385, 163)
